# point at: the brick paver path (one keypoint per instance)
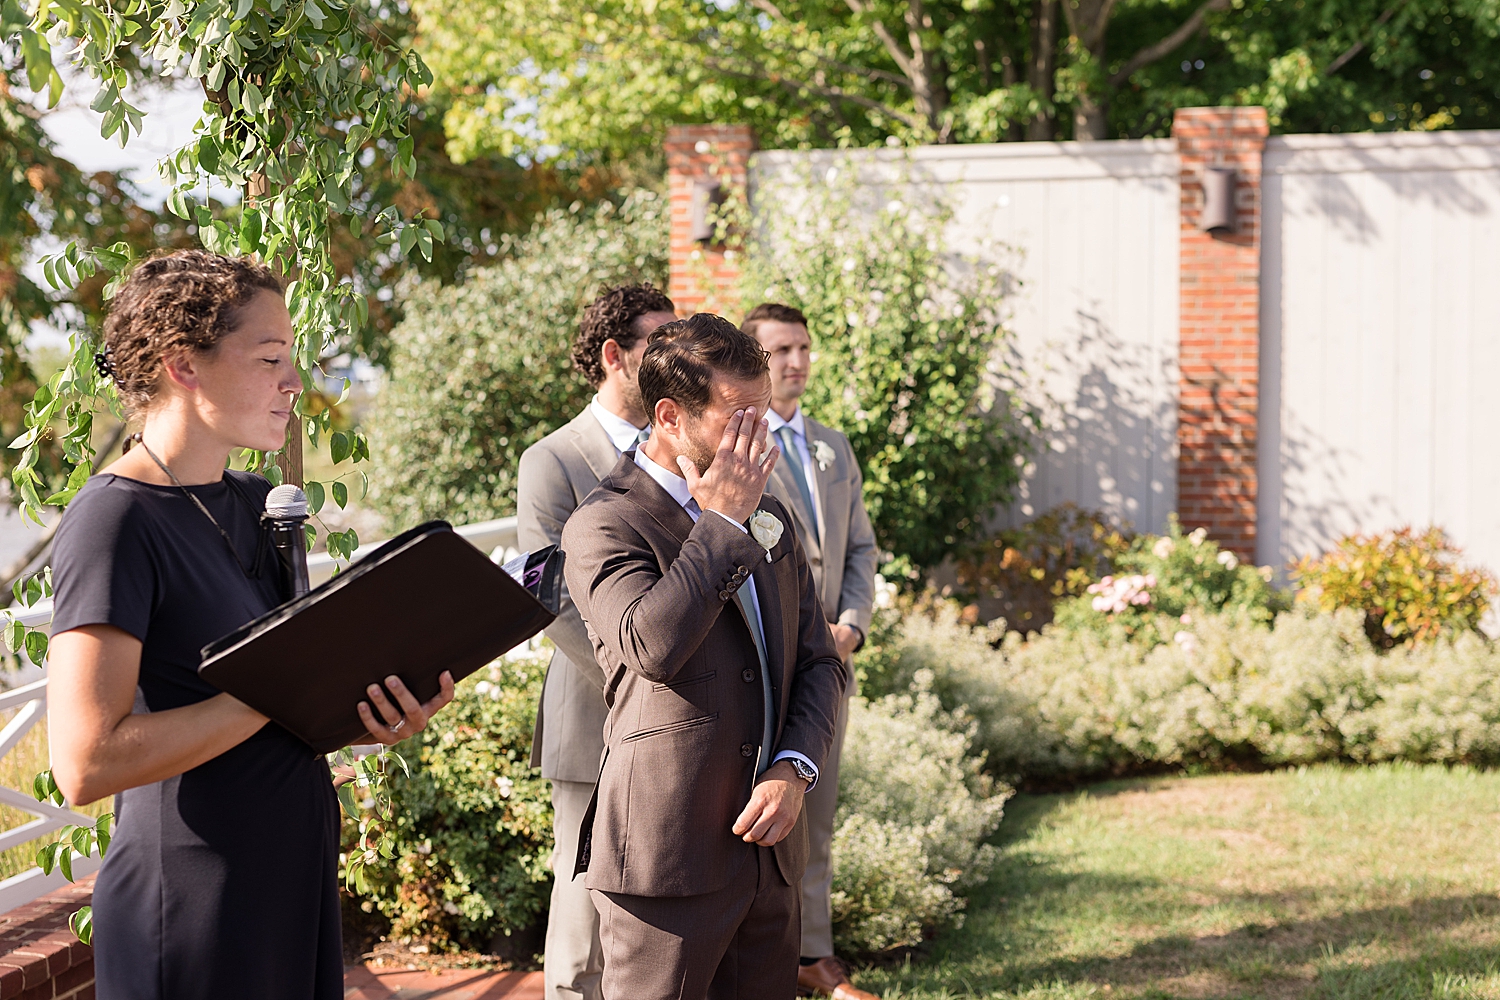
(364, 983)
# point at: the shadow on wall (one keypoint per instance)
(1106, 411)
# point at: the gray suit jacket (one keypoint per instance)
(683, 681)
(843, 561)
(555, 475)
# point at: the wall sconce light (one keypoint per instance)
(1218, 200)
(706, 194)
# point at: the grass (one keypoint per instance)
(1324, 883)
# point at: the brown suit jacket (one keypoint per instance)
(683, 684)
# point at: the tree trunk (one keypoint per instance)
(1041, 74)
(289, 461)
(1091, 118)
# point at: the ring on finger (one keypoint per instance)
(398, 725)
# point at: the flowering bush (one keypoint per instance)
(1162, 581)
(1409, 586)
(1020, 573)
(914, 811)
(473, 821)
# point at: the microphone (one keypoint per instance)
(286, 511)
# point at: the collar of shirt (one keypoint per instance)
(797, 424)
(675, 485)
(622, 433)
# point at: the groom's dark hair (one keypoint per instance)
(683, 357)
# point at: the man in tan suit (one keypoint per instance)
(555, 475)
(819, 479)
(722, 680)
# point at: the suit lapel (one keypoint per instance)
(827, 478)
(777, 597)
(788, 486)
(593, 444)
(650, 497)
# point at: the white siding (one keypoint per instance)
(1093, 235)
(1380, 333)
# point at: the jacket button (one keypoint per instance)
(747, 675)
(746, 749)
(725, 595)
(741, 570)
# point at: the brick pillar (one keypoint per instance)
(704, 276)
(1219, 327)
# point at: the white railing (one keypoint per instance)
(497, 538)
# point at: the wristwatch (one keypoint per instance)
(804, 770)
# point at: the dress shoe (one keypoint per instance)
(827, 978)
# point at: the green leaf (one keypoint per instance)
(103, 832)
(81, 923)
(36, 646)
(408, 239)
(339, 446)
(340, 494)
(64, 855)
(314, 491)
(273, 475)
(32, 591)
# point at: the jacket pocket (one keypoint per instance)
(685, 682)
(642, 734)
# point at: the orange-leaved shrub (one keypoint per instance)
(1409, 585)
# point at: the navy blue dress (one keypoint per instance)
(222, 882)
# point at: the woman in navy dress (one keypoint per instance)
(222, 878)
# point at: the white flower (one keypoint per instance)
(1163, 547)
(1187, 640)
(1198, 535)
(506, 786)
(822, 454)
(1227, 559)
(766, 530)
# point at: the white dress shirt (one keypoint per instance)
(804, 455)
(622, 433)
(677, 489)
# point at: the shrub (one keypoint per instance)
(907, 341)
(1074, 703)
(1160, 582)
(473, 822)
(1409, 586)
(480, 370)
(914, 810)
(1020, 573)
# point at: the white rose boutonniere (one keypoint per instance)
(766, 530)
(823, 455)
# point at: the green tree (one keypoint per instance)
(540, 77)
(908, 361)
(479, 370)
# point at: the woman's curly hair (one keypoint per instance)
(172, 304)
(612, 316)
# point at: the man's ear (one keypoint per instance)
(667, 416)
(180, 369)
(612, 354)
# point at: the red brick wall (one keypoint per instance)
(1219, 327)
(39, 956)
(704, 278)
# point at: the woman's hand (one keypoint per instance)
(408, 720)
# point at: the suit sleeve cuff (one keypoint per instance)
(786, 754)
(743, 530)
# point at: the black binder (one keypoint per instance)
(424, 602)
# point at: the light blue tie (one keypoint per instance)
(794, 462)
(768, 722)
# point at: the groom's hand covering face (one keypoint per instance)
(725, 453)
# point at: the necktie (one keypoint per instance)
(768, 721)
(644, 435)
(794, 462)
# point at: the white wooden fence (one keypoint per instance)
(495, 537)
(1380, 320)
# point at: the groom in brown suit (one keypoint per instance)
(722, 678)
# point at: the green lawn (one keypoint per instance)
(1318, 883)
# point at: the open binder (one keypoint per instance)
(424, 602)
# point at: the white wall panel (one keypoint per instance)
(1092, 232)
(1380, 358)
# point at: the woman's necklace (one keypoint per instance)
(196, 503)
